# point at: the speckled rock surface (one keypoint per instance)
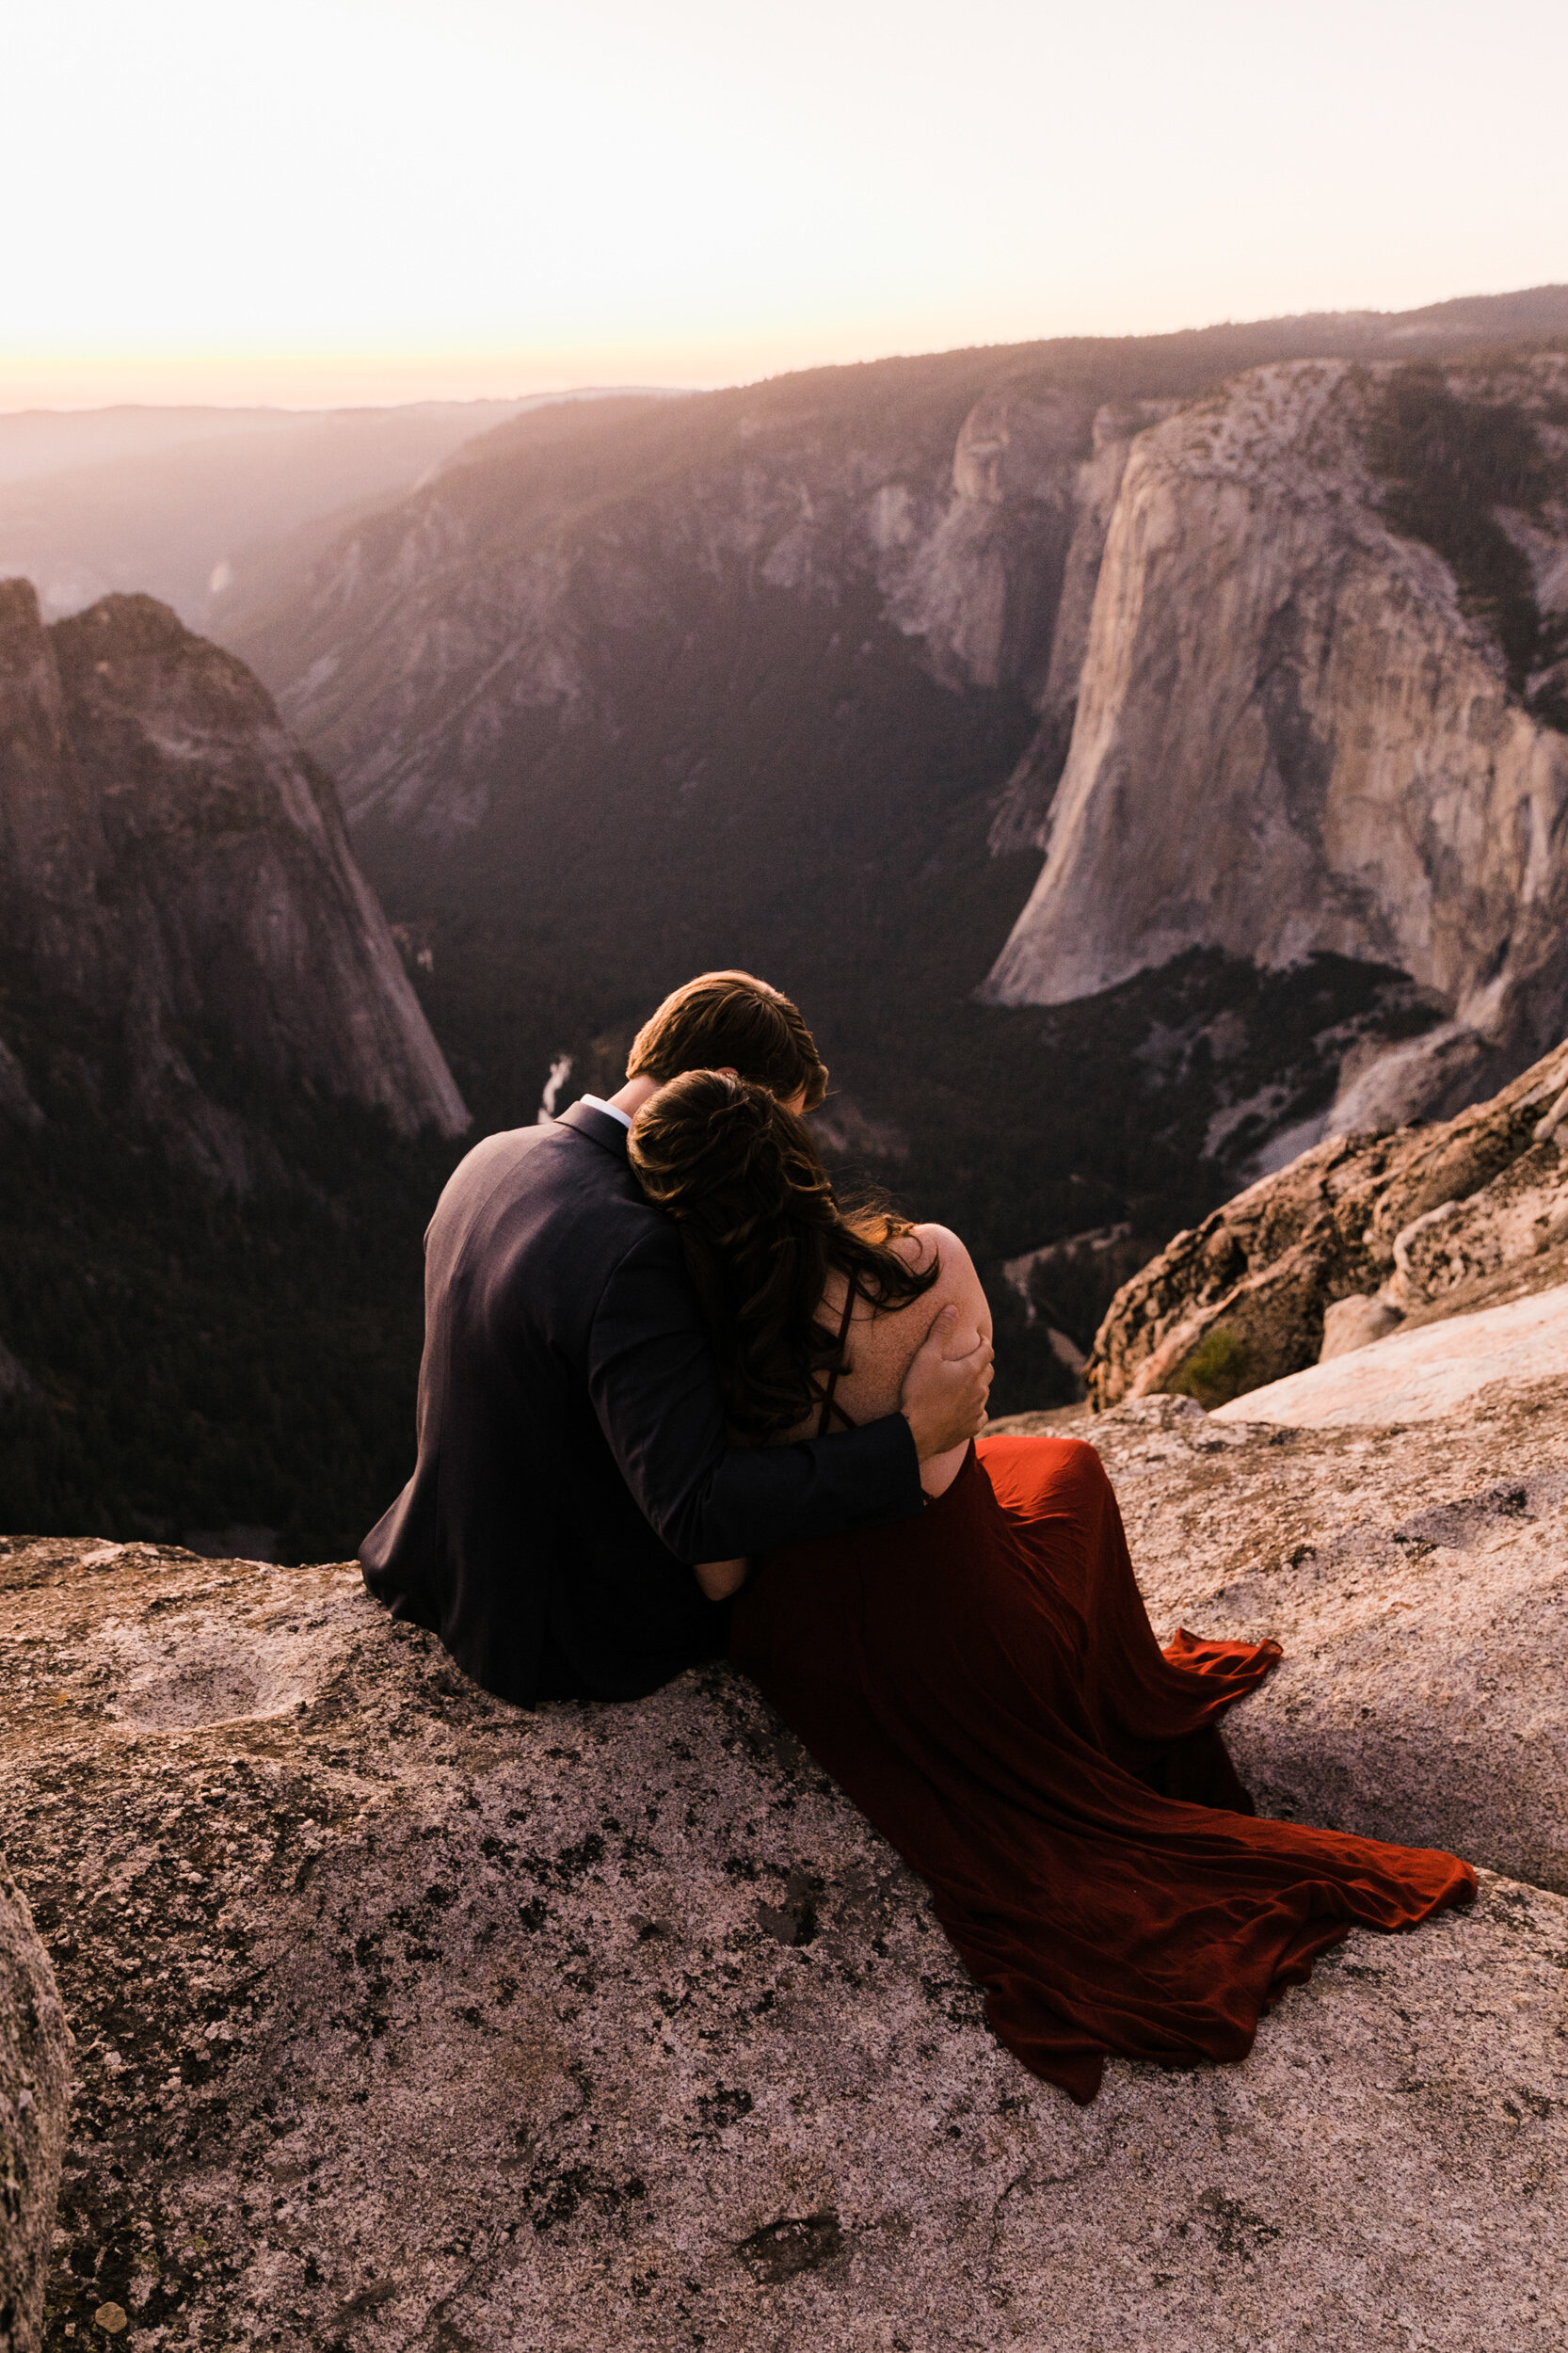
(408, 2021)
(1417, 1578)
(35, 2096)
(1424, 1223)
(1427, 1373)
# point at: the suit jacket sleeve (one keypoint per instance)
(651, 1377)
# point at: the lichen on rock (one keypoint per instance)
(409, 2019)
(1422, 1223)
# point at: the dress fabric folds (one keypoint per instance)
(983, 1683)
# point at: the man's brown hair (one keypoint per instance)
(731, 1021)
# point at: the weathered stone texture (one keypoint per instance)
(1423, 1222)
(1293, 733)
(409, 2021)
(1425, 1372)
(1417, 1581)
(35, 2095)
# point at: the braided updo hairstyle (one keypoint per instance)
(762, 1228)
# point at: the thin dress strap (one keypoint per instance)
(831, 1410)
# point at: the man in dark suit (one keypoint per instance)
(573, 1460)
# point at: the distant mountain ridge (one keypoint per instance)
(182, 502)
(789, 675)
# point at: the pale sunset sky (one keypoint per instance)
(330, 201)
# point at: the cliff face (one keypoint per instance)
(517, 583)
(179, 877)
(1310, 708)
(786, 677)
(971, 493)
(1299, 727)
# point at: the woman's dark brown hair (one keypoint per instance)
(731, 1021)
(762, 1229)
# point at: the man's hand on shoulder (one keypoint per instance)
(943, 1396)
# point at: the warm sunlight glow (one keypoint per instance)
(385, 199)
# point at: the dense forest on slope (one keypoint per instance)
(239, 1371)
(1452, 465)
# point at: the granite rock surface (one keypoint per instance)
(406, 2020)
(1413, 1226)
(1299, 729)
(35, 2091)
(1426, 1374)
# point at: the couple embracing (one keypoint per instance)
(675, 1404)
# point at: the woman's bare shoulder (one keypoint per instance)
(924, 1242)
(957, 1280)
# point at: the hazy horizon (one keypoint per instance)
(372, 202)
(517, 393)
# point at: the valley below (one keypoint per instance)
(1141, 759)
(960, 697)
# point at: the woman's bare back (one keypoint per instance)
(880, 1346)
(883, 1341)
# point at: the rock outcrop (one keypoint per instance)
(177, 876)
(404, 2018)
(1425, 1374)
(1299, 729)
(1359, 1235)
(35, 2094)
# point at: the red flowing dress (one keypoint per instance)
(983, 1683)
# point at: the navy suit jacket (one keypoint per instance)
(573, 1459)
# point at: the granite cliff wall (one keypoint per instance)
(178, 880)
(1299, 728)
(1249, 664)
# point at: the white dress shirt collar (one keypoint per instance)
(597, 1103)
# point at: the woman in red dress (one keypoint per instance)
(983, 1681)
